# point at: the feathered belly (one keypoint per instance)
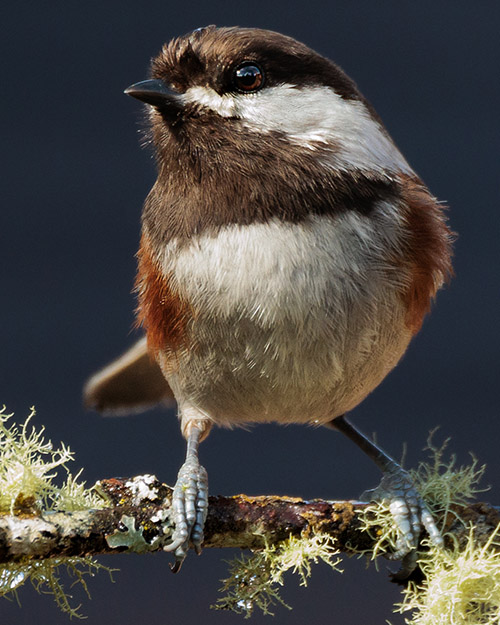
(280, 321)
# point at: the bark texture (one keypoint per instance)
(137, 519)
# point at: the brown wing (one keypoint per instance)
(428, 248)
(131, 383)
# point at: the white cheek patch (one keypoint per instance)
(223, 105)
(310, 116)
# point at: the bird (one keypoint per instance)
(289, 253)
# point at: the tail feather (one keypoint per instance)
(132, 383)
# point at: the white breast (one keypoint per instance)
(293, 322)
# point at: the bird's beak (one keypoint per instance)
(156, 93)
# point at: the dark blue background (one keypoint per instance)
(73, 181)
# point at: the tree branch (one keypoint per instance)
(137, 519)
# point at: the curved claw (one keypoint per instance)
(410, 515)
(407, 507)
(408, 565)
(190, 507)
(176, 566)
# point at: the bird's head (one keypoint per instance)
(217, 87)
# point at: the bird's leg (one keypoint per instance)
(407, 507)
(189, 501)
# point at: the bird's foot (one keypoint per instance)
(410, 515)
(190, 506)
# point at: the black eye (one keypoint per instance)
(248, 77)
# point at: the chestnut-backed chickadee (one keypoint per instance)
(289, 253)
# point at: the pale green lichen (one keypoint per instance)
(28, 468)
(131, 537)
(461, 585)
(28, 472)
(439, 482)
(254, 580)
(44, 575)
(73, 496)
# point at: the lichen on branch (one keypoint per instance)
(29, 466)
(44, 527)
